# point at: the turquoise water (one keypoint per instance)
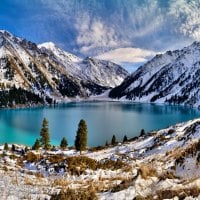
(104, 119)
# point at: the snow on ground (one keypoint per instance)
(150, 168)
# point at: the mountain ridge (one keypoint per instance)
(172, 77)
(51, 72)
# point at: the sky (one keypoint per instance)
(128, 32)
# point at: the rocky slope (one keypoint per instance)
(162, 164)
(172, 77)
(48, 72)
(101, 72)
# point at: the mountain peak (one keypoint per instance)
(2, 31)
(172, 77)
(5, 33)
(48, 45)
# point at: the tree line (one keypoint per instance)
(81, 138)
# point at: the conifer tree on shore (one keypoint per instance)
(45, 137)
(125, 139)
(6, 148)
(81, 136)
(63, 143)
(113, 141)
(36, 146)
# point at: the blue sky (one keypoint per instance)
(105, 28)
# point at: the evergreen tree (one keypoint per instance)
(6, 147)
(26, 149)
(13, 148)
(53, 148)
(81, 136)
(106, 143)
(113, 141)
(36, 146)
(63, 143)
(142, 133)
(45, 137)
(125, 139)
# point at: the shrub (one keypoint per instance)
(113, 165)
(147, 171)
(167, 175)
(31, 157)
(123, 185)
(71, 194)
(171, 131)
(181, 193)
(77, 165)
(56, 158)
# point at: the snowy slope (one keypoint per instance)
(104, 73)
(162, 164)
(49, 71)
(171, 77)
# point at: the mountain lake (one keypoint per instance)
(22, 126)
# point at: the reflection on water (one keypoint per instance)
(103, 118)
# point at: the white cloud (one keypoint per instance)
(151, 24)
(127, 55)
(147, 19)
(94, 34)
(187, 16)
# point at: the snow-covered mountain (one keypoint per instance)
(101, 72)
(173, 77)
(46, 70)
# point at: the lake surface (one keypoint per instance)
(104, 119)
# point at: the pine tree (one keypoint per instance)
(26, 149)
(36, 146)
(6, 147)
(81, 136)
(45, 137)
(13, 148)
(113, 141)
(142, 133)
(125, 139)
(106, 143)
(63, 143)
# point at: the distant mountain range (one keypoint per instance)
(32, 74)
(42, 73)
(172, 77)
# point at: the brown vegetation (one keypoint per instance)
(72, 194)
(147, 171)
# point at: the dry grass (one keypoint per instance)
(147, 171)
(167, 175)
(181, 193)
(28, 181)
(126, 183)
(60, 182)
(56, 159)
(31, 157)
(191, 150)
(170, 194)
(71, 194)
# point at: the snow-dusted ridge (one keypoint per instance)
(49, 71)
(101, 72)
(159, 165)
(172, 77)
